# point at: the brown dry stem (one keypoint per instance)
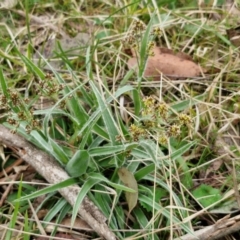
(221, 228)
(48, 168)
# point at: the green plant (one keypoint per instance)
(164, 143)
(206, 195)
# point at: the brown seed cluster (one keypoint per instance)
(49, 86)
(135, 36)
(157, 119)
(21, 111)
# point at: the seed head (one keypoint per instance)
(162, 109)
(163, 139)
(136, 132)
(174, 130)
(157, 32)
(185, 119)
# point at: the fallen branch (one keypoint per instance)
(48, 168)
(221, 228)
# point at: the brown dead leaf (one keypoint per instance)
(166, 62)
(129, 180)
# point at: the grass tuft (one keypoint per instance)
(177, 138)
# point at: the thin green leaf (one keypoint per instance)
(53, 212)
(150, 149)
(26, 227)
(107, 116)
(58, 152)
(14, 217)
(179, 152)
(186, 104)
(137, 102)
(108, 150)
(127, 76)
(141, 218)
(97, 114)
(88, 184)
(144, 171)
(101, 178)
(3, 84)
(143, 49)
(49, 189)
(38, 139)
(32, 67)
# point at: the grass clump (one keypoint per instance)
(94, 116)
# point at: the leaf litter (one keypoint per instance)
(165, 61)
(129, 180)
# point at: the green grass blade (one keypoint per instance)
(49, 189)
(107, 116)
(26, 227)
(140, 174)
(53, 212)
(14, 217)
(58, 152)
(143, 50)
(3, 84)
(137, 102)
(108, 150)
(32, 67)
(88, 184)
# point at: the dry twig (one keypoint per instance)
(221, 228)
